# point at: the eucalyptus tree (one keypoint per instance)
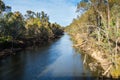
(37, 25)
(32, 25)
(30, 14)
(44, 18)
(14, 25)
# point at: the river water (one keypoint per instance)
(56, 61)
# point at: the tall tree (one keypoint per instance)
(30, 14)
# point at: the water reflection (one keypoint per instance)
(57, 60)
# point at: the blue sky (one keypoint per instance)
(60, 11)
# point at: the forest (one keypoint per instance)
(96, 32)
(20, 31)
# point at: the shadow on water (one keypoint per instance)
(55, 61)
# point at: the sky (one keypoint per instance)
(60, 11)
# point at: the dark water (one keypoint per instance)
(55, 61)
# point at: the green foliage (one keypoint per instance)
(56, 29)
(12, 24)
(33, 25)
(39, 25)
(4, 39)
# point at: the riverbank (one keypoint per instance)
(97, 32)
(12, 47)
(89, 46)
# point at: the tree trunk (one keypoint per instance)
(108, 15)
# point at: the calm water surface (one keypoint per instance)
(55, 61)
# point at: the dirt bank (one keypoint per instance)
(89, 47)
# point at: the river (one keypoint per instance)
(56, 61)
